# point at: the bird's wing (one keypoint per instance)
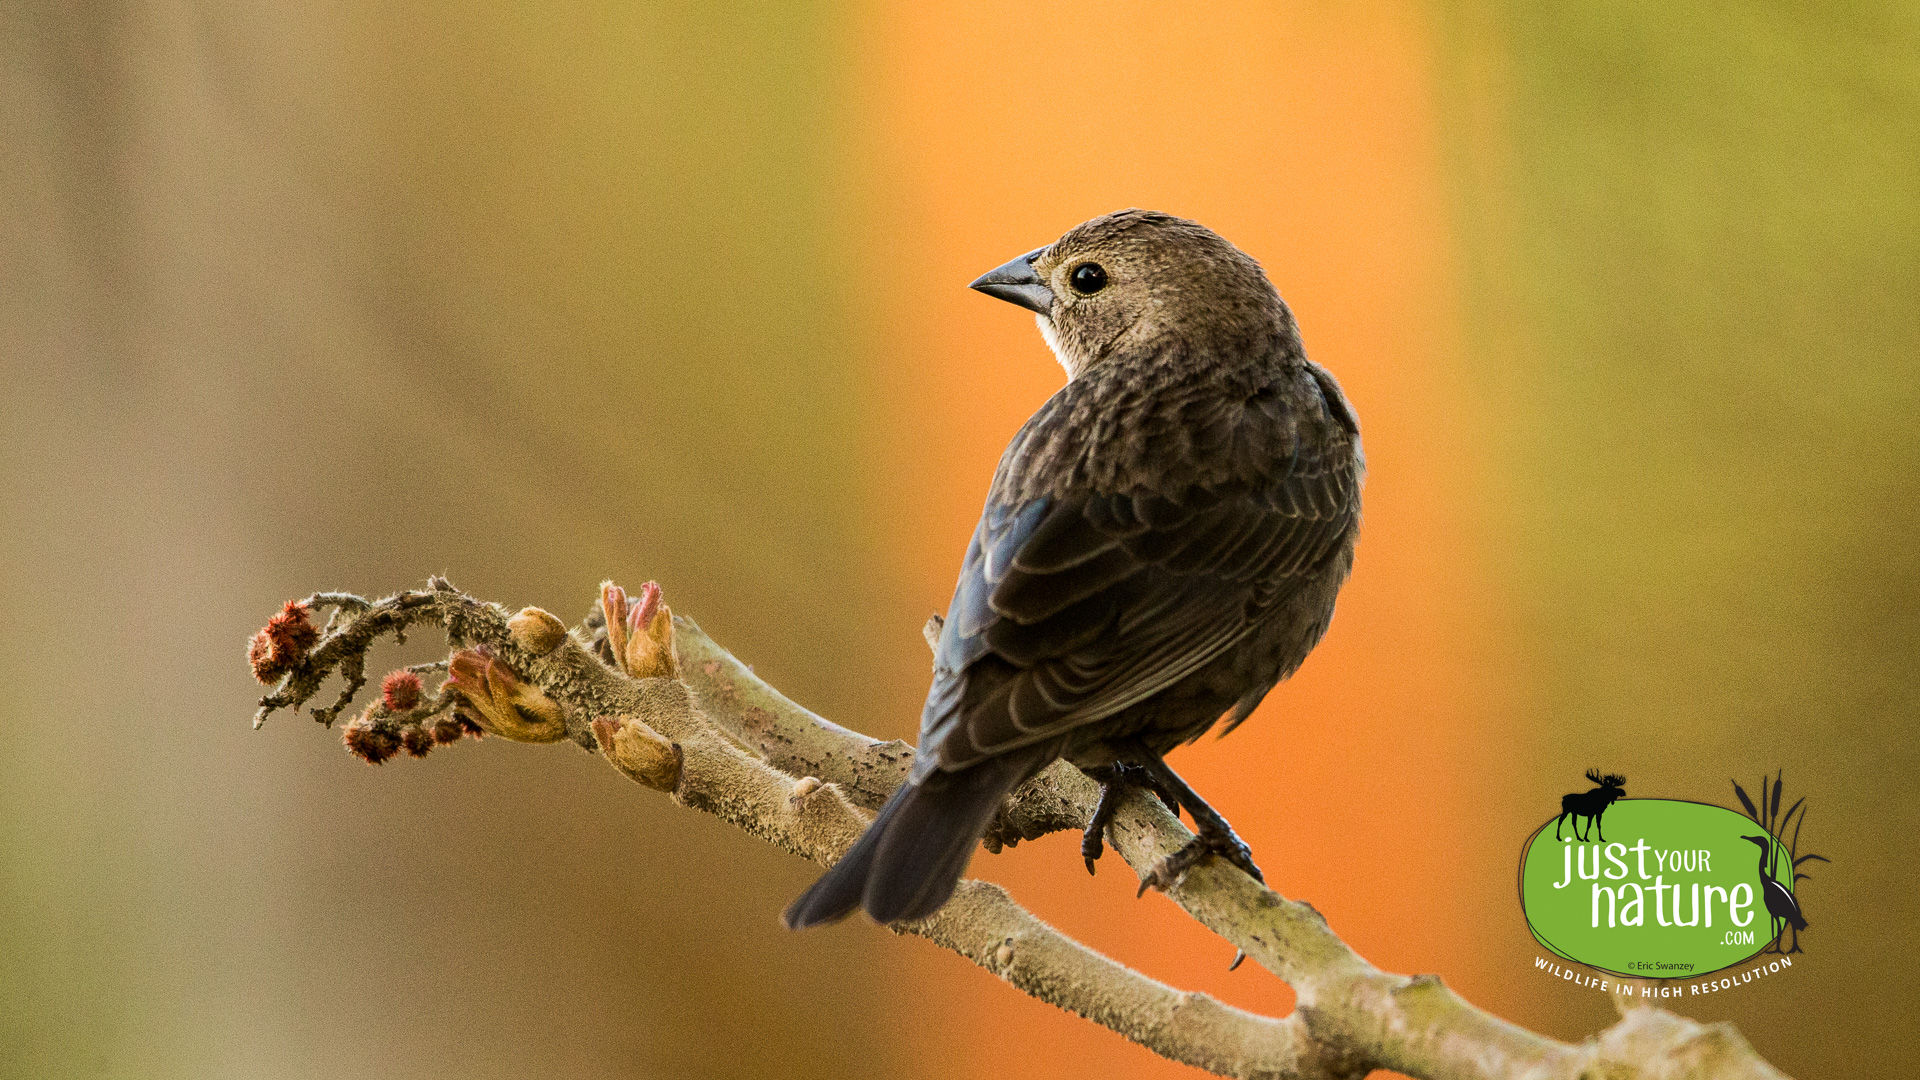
(1071, 608)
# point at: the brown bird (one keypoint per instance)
(1162, 544)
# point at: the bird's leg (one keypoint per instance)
(1114, 780)
(1214, 835)
(1092, 841)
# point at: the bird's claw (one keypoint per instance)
(1168, 871)
(1240, 855)
(1092, 844)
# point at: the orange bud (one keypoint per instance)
(498, 701)
(649, 646)
(539, 632)
(613, 605)
(639, 751)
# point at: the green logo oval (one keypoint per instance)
(1675, 889)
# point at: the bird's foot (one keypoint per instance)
(1222, 842)
(1126, 776)
(1114, 781)
(1092, 841)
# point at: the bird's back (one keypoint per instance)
(1162, 542)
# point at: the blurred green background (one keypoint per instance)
(335, 295)
(1698, 259)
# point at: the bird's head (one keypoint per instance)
(1129, 284)
(1765, 843)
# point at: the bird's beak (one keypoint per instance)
(1016, 283)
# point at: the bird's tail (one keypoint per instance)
(907, 863)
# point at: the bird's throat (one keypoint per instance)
(1052, 338)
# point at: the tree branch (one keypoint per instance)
(676, 712)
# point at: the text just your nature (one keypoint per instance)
(1626, 903)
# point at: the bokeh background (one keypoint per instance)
(335, 294)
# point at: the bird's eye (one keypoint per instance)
(1088, 278)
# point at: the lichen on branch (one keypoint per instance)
(666, 706)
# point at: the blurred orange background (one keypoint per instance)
(1310, 140)
(333, 295)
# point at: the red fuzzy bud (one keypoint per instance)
(400, 691)
(447, 730)
(280, 645)
(416, 739)
(371, 740)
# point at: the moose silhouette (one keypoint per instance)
(1591, 804)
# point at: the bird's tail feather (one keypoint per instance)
(907, 863)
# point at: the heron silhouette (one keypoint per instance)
(1781, 905)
